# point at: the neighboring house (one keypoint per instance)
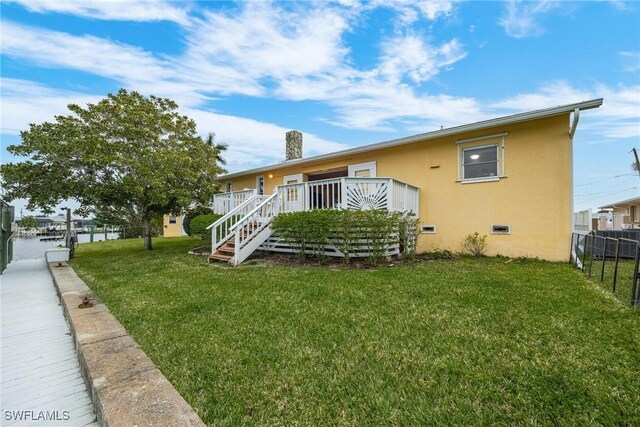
(43, 222)
(55, 223)
(509, 178)
(624, 214)
(172, 226)
(82, 224)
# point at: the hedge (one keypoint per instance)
(309, 232)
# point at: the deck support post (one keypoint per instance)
(343, 193)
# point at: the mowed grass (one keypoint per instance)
(455, 342)
(624, 278)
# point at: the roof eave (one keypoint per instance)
(630, 201)
(500, 121)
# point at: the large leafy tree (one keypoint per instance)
(127, 153)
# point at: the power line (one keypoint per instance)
(604, 191)
(605, 179)
(600, 193)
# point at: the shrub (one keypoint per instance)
(311, 231)
(475, 244)
(408, 234)
(200, 223)
(191, 214)
(346, 222)
(379, 227)
(306, 231)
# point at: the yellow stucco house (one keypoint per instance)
(172, 226)
(509, 178)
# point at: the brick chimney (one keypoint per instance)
(294, 145)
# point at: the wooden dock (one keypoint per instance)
(41, 384)
(51, 238)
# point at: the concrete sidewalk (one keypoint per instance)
(41, 384)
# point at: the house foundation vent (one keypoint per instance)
(500, 229)
(428, 228)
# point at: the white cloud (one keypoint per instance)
(25, 102)
(373, 99)
(620, 5)
(619, 116)
(86, 53)
(127, 65)
(411, 55)
(295, 52)
(298, 53)
(251, 143)
(520, 18)
(410, 11)
(265, 40)
(549, 95)
(115, 10)
(631, 61)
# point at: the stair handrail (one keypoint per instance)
(239, 225)
(223, 221)
(264, 200)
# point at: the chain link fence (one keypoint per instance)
(611, 261)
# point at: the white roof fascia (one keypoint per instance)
(500, 121)
(631, 201)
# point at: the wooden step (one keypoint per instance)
(225, 251)
(219, 257)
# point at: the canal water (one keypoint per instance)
(32, 247)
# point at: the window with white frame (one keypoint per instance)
(481, 158)
(173, 219)
(480, 162)
(227, 187)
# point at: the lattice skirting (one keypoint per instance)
(360, 249)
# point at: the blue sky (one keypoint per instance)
(344, 73)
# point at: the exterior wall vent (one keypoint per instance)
(500, 229)
(428, 228)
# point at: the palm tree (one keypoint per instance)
(219, 148)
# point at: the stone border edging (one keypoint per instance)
(126, 388)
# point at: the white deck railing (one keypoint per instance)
(254, 228)
(225, 202)
(223, 228)
(247, 216)
(349, 193)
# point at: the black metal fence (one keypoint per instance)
(612, 261)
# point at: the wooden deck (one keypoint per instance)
(41, 381)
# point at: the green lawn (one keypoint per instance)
(462, 341)
(624, 280)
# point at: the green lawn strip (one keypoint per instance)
(465, 341)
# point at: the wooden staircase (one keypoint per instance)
(226, 252)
